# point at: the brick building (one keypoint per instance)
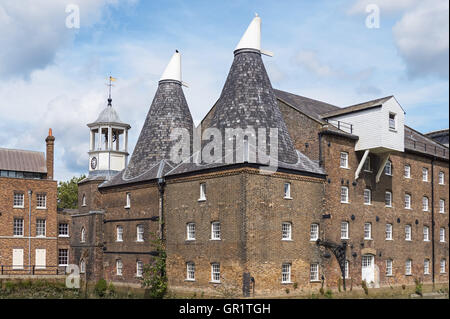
(355, 192)
(28, 218)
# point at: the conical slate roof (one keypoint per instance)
(169, 111)
(248, 100)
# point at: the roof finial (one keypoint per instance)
(252, 37)
(173, 69)
(111, 79)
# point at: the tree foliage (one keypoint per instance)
(154, 277)
(68, 193)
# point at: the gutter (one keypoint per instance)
(432, 223)
(30, 193)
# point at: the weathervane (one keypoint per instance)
(111, 79)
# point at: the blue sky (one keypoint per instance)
(52, 76)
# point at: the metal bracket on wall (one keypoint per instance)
(339, 252)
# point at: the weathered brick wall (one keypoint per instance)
(398, 249)
(7, 214)
(144, 210)
(302, 129)
(266, 210)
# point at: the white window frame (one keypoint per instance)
(190, 271)
(408, 267)
(287, 191)
(426, 266)
(344, 194)
(347, 269)
(127, 200)
(343, 160)
(140, 233)
(314, 232)
(424, 174)
(139, 268)
(392, 121)
(442, 206)
(41, 201)
(286, 231)
(441, 178)
(388, 199)
(18, 200)
(286, 273)
(367, 231)
(216, 230)
(388, 168)
(426, 233)
(425, 203)
(119, 267)
(442, 235)
(83, 235)
(407, 171)
(215, 272)
(407, 201)
(202, 192)
(442, 266)
(367, 196)
(345, 230)
(408, 232)
(389, 267)
(119, 233)
(389, 232)
(60, 257)
(190, 231)
(66, 228)
(83, 200)
(41, 230)
(18, 227)
(314, 272)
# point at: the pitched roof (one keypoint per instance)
(357, 107)
(416, 141)
(248, 100)
(168, 111)
(22, 161)
(109, 116)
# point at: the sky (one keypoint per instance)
(53, 74)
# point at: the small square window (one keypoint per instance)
(63, 230)
(388, 199)
(40, 227)
(388, 168)
(344, 194)
(388, 231)
(314, 232)
(367, 231)
(41, 200)
(286, 229)
(215, 230)
(392, 121)
(190, 271)
(215, 272)
(18, 227)
(344, 230)
(190, 230)
(63, 257)
(314, 272)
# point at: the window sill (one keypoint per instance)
(408, 274)
(408, 239)
(368, 238)
(389, 240)
(389, 275)
(189, 240)
(387, 206)
(408, 208)
(287, 283)
(19, 207)
(119, 241)
(215, 282)
(140, 241)
(368, 204)
(202, 200)
(286, 240)
(313, 240)
(345, 202)
(344, 167)
(218, 239)
(189, 280)
(315, 281)
(345, 238)
(18, 236)
(288, 198)
(41, 236)
(392, 130)
(41, 208)
(63, 236)
(127, 207)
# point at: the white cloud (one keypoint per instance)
(310, 61)
(422, 39)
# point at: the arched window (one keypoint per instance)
(83, 200)
(83, 235)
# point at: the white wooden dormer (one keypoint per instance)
(379, 124)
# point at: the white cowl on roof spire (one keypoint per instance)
(252, 37)
(173, 69)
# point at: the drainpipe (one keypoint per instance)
(161, 185)
(30, 193)
(432, 222)
(320, 150)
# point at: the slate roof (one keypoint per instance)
(248, 100)
(441, 136)
(22, 161)
(109, 116)
(357, 107)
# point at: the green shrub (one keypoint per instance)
(295, 285)
(418, 287)
(100, 287)
(329, 294)
(287, 290)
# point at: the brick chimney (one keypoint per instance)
(50, 141)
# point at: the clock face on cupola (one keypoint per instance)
(94, 162)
